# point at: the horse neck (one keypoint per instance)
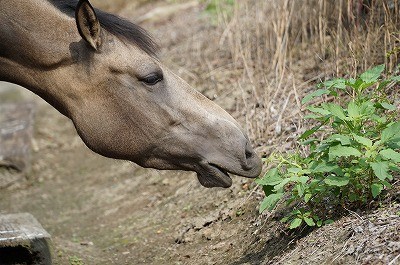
(34, 46)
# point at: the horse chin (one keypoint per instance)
(211, 176)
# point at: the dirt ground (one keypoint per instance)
(104, 211)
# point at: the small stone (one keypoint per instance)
(208, 233)
(358, 229)
(218, 246)
(87, 243)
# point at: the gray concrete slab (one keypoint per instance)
(23, 241)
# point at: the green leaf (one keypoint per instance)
(355, 83)
(391, 132)
(300, 189)
(343, 139)
(309, 141)
(296, 222)
(293, 178)
(321, 111)
(339, 83)
(353, 110)
(303, 179)
(319, 223)
(353, 197)
(388, 106)
(395, 79)
(381, 170)
(378, 119)
(309, 221)
(270, 202)
(365, 85)
(362, 140)
(376, 189)
(372, 75)
(307, 197)
(285, 219)
(282, 184)
(294, 170)
(336, 181)
(335, 110)
(270, 178)
(394, 167)
(367, 108)
(342, 151)
(383, 84)
(325, 167)
(310, 132)
(387, 184)
(329, 221)
(395, 144)
(314, 94)
(296, 212)
(322, 148)
(390, 154)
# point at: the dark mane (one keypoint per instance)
(115, 25)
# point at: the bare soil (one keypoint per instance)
(104, 211)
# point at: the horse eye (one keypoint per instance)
(152, 79)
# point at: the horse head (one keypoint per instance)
(103, 73)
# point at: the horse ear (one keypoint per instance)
(88, 25)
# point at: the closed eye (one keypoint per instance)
(152, 79)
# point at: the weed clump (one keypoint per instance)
(352, 152)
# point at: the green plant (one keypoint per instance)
(74, 260)
(215, 7)
(212, 5)
(352, 151)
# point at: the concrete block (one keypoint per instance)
(23, 241)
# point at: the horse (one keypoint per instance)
(103, 72)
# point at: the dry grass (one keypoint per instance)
(281, 48)
(118, 5)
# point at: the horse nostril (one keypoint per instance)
(251, 164)
(248, 154)
(248, 163)
(248, 151)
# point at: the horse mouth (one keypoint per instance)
(212, 175)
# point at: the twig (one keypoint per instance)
(278, 126)
(394, 260)
(343, 248)
(248, 197)
(355, 214)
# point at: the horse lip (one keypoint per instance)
(252, 167)
(211, 175)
